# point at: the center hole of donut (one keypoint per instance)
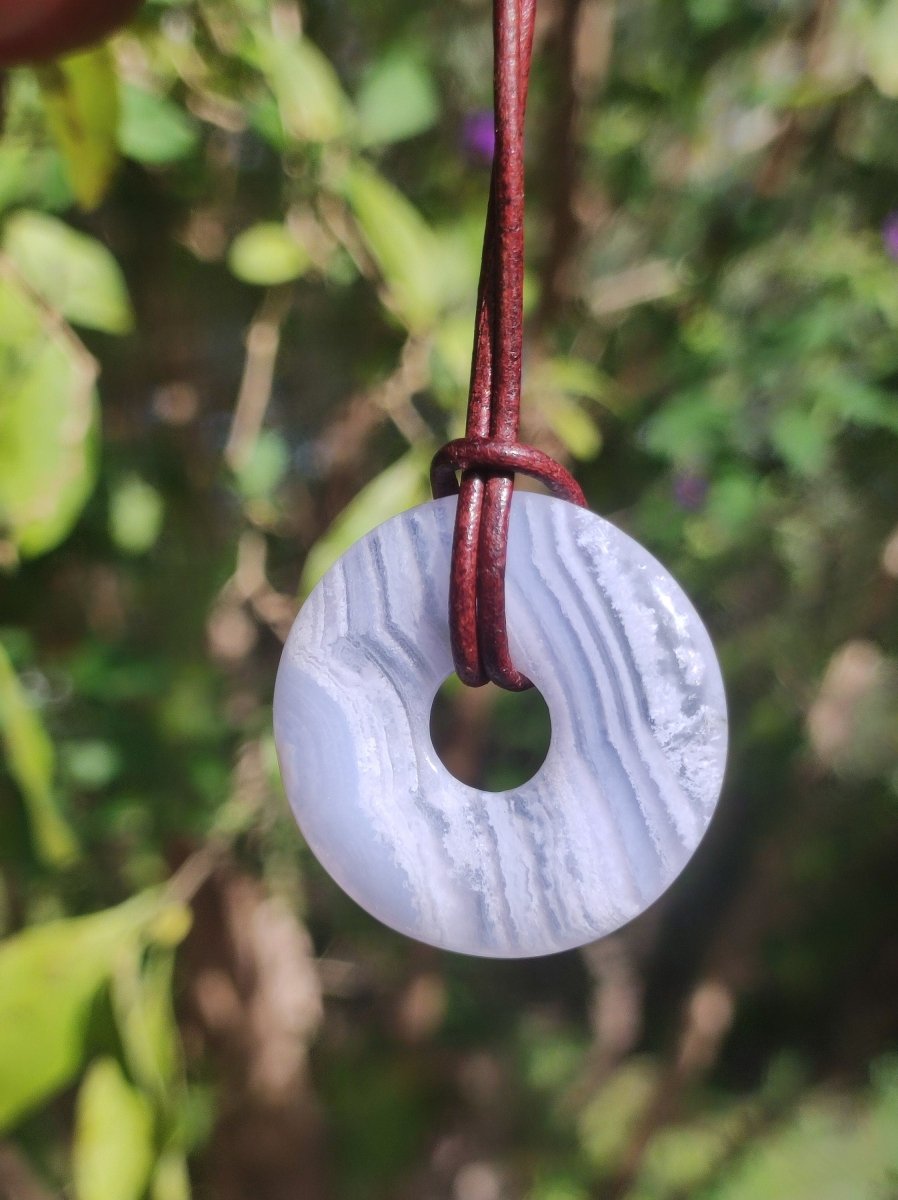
(489, 738)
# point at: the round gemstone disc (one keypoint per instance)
(634, 766)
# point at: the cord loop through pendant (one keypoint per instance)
(490, 453)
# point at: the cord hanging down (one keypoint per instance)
(489, 454)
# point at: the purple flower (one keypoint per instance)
(690, 490)
(890, 235)
(479, 136)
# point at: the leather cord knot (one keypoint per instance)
(484, 455)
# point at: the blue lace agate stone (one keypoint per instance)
(634, 766)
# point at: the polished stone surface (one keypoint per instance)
(634, 766)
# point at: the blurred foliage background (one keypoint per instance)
(238, 263)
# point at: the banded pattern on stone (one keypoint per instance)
(635, 762)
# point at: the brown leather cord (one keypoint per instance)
(489, 454)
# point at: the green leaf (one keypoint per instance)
(32, 175)
(803, 439)
(136, 513)
(80, 95)
(401, 243)
(556, 387)
(452, 358)
(830, 1146)
(267, 254)
(856, 401)
(689, 429)
(32, 171)
(153, 129)
(397, 100)
(31, 760)
(113, 1151)
(574, 377)
(880, 31)
(733, 499)
(711, 14)
(312, 104)
(732, 514)
(264, 467)
(142, 999)
(74, 273)
(50, 977)
(575, 428)
(170, 1178)
(90, 763)
(613, 1114)
(48, 419)
(400, 486)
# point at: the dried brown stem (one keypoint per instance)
(262, 343)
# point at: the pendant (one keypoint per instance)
(635, 762)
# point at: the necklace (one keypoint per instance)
(518, 589)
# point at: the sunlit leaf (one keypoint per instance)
(169, 924)
(80, 96)
(730, 514)
(312, 104)
(558, 1188)
(575, 428)
(551, 1059)
(879, 26)
(619, 127)
(397, 100)
(609, 1119)
(452, 359)
(556, 387)
(32, 171)
(170, 1178)
(90, 763)
(153, 129)
(400, 486)
(458, 251)
(710, 14)
(573, 376)
(113, 1150)
(29, 754)
(50, 977)
(400, 242)
(267, 254)
(857, 402)
(834, 1146)
(136, 513)
(803, 438)
(30, 175)
(682, 1158)
(74, 273)
(48, 413)
(688, 429)
(264, 466)
(142, 999)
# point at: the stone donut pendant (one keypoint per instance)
(635, 760)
